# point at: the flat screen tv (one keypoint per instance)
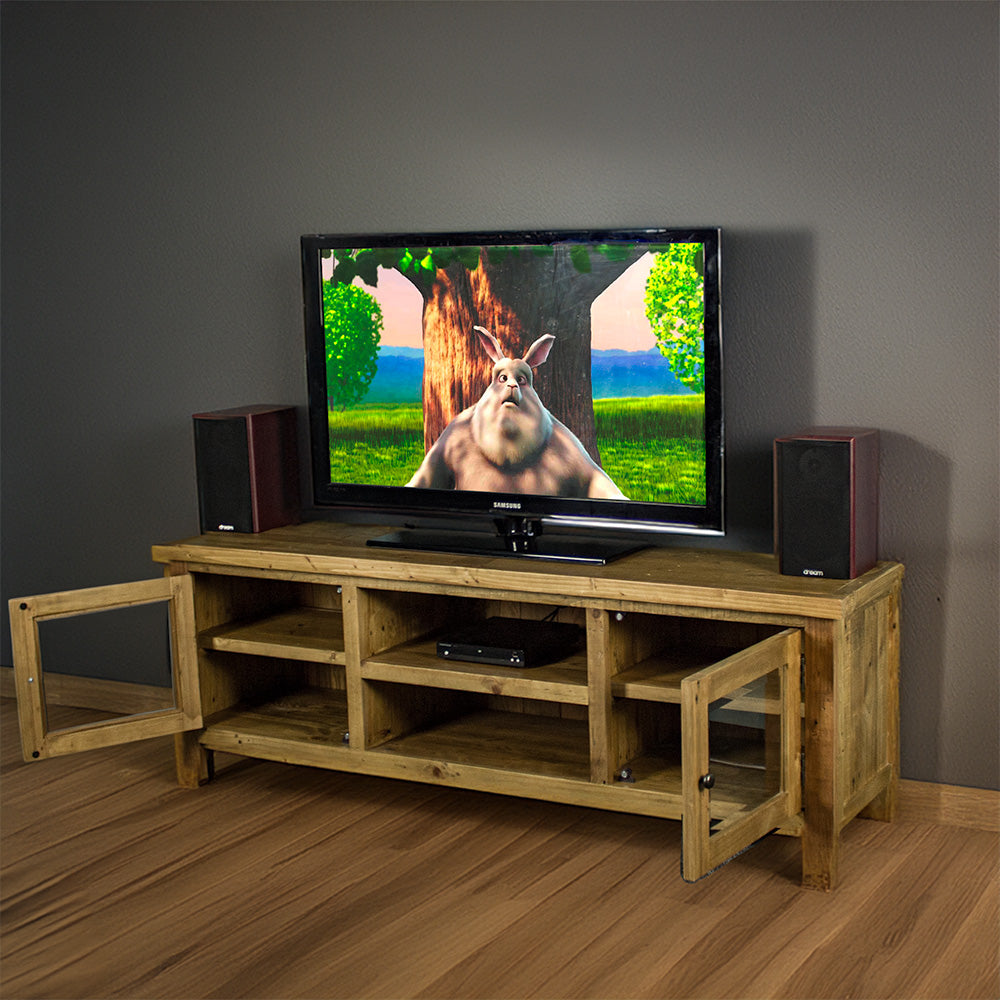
(541, 394)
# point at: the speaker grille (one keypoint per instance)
(815, 508)
(224, 489)
(826, 501)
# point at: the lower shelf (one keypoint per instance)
(315, 717)
(737, 787)
(511, 753)
(505, 741)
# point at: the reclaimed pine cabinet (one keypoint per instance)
(705, 687)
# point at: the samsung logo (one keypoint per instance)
(506, 505)
(812, 572)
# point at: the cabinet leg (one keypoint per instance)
(820, 858)
(195, 764)
(883, 806)
(821, 831)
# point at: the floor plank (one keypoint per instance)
(282, 882)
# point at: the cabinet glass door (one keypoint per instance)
(28, 616)
(741, 751)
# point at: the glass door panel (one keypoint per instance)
(740, 760)
(134, 712)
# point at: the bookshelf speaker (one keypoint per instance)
(826, 502)
(247, 467)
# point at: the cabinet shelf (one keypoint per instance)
(509, 741)
(658, 678)
(314, 717)
(315, 635)
(418, 663)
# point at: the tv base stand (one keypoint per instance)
(706, 687)
(516, 537)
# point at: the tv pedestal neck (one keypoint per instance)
(709, 688)
(520, 537)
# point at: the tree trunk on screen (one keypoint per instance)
(518, 297)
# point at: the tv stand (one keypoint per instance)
(523, 537)
(709, 689)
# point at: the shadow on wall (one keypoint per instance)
(768, 331)
(914, 511)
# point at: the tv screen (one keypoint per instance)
(534, 381)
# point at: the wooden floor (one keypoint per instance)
(281, 882)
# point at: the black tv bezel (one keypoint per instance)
(474, 509)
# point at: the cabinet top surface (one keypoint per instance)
(706, 578)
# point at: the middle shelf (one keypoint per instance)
(418, 663)
(315, 635)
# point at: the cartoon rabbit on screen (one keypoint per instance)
(508, 442)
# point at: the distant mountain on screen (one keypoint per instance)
(616, 373)
(613, 373)
(399, 376)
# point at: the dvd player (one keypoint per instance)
(511, 642)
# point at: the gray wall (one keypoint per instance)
(161, 160)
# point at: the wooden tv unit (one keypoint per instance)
(708, 688)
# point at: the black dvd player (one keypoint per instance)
(511, 642)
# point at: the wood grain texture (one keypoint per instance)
(287, 882)
(711, 579)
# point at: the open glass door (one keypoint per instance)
(28, 613)
(741, 751)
